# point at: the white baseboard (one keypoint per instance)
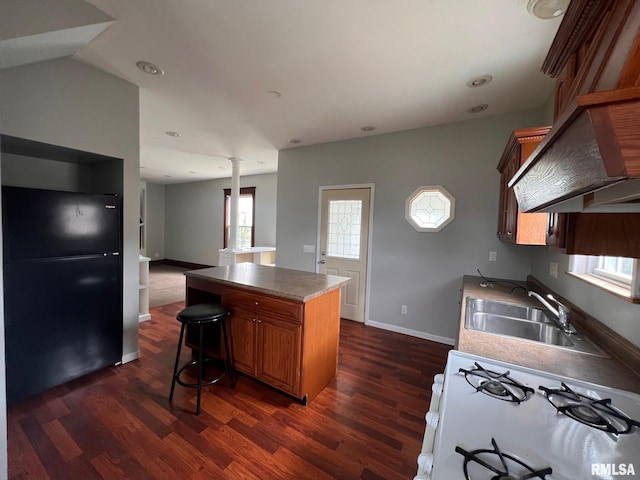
(129, 357)
(413, 333)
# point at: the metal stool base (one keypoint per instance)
(200, 362)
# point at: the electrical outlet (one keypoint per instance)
(403, 310)
(553, 269)
(308, 248)
(493, 256)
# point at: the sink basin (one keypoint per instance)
(522, 312)
(524, 323)
(512, 327)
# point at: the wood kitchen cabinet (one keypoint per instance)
(588, 161)
(266, 337)
(616, 235)
(513, 225)
(556, 230)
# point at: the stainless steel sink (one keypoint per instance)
(512, 327)
(525, 323)
(523, 312)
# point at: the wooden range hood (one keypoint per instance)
(590, 159)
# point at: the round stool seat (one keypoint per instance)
(203, 313)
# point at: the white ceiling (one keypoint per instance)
(338, 64)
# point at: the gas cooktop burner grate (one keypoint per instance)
(496, 385)
(596, 413)
(478, 463)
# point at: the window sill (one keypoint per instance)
(620, 292)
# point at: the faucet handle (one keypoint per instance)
(563, 316)
(561, 306)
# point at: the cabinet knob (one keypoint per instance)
(253, 319)
(259, 321)
(257, 303)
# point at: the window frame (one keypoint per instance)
(227, 214)
(432, 191)
(589, 269)
(599, 271)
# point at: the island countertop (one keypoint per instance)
(281, 282)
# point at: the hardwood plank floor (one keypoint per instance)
(118, 423)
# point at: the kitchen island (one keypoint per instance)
(284, 327)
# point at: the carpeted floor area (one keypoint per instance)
(166, 284)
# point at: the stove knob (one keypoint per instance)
(439, 378)
(436, 388)
(432, 419)
(425, 464)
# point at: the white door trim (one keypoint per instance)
(370, 186)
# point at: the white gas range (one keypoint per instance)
(499, 421)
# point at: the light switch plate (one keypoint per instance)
(553, 269)
(493, 256)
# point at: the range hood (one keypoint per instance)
(589, 161)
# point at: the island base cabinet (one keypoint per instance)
(243, 340)
(266, 348)
(279, 354)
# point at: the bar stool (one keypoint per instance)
(201, 315)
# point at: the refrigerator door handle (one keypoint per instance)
(109, 206)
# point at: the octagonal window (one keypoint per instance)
(430, 209)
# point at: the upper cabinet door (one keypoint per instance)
(513, 225)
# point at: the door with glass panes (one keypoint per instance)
(344, 234)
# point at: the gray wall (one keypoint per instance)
(68, 103)
(194, 217)
(420, 270)
(155, 221)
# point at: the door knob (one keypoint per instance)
(322, 262)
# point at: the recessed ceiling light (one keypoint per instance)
(260, 162)
(368, 128)
(150, 68)
(479, 81)
(275, 94)
(167, 176)
(173, 134)
(222, 168)
(546, 9)
(294, 141)
(478, 108)
(191, 171)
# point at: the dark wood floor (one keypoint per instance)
(117, 423)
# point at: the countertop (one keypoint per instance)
(590, 368)
(280, 282)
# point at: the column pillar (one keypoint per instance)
(234, 202)
(227, 255)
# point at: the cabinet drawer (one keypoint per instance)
(286, 309)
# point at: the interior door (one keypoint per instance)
(344, 238)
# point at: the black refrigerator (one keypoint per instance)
(62, 286)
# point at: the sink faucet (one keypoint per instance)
(561, 314)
